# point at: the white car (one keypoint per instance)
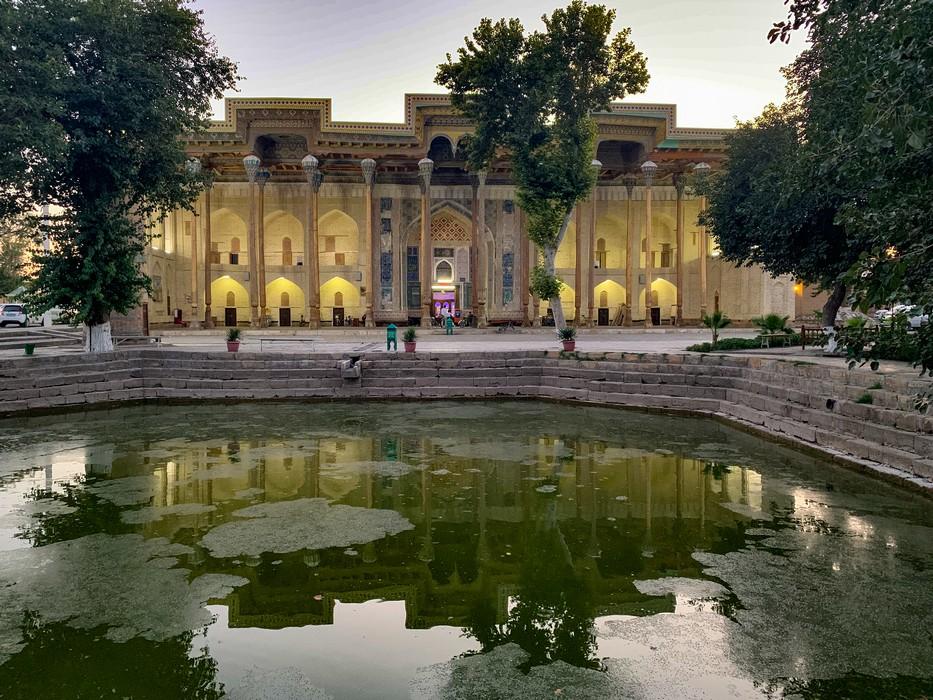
(916, 317)
(13, 315)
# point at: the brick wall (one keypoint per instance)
(813, 405)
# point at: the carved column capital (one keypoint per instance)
(680, 184)
(368, 166)
(425, 170)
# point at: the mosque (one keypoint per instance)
(315, 222)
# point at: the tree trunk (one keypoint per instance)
(549, 254)
(557, 308)
(98, 338)
(831, 307)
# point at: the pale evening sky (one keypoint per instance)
(709, 57)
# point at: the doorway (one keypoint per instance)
(285, 318)
(230, 316)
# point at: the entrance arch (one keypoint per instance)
(290, 298)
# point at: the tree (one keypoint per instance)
(95, 99)
(531, 97)
(769, 207)
(12, 254)
(865, 82)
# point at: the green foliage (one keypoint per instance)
(716, 321)
(768, 208)
(772, 323)
(531, 96)
(12, 252)
(545, 285)
(233, 335)
(736, 344)
(567, 333)
(865, 398)
(876, 386)
(887, 341)
(95, 99)
(864, 83)
(410, 334)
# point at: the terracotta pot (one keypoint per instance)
(409, 347)
(233, 346)
(569, 345)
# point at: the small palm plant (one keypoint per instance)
(716, 321)
(772, 323)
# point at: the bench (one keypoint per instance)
(136, 340)
(766, 339)
(262, 341)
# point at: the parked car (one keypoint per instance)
(13, 315)
(916, 317)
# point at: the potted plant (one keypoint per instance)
(409, 339)
(233, 339)
(568, 336)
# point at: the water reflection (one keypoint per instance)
(531, 526)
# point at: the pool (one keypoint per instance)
(449, 550)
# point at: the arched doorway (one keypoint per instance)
(236, 299)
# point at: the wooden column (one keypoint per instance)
(312, 262)
(262, 179)
(535, 301)
(251, 163)
(591, 263)
(369, 177)
(579, 282)
(425, 168)
(648, 169)
(195, 321)
(700, 170)
(703, 244)
(524, 257)
(208, 258)
(680, 182)
(482, 252)
(632, 253)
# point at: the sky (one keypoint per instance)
(709, 57)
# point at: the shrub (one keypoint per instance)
(737, 344)
(772, 323)
(233, 335)
(865, 398)
(567, 333)
(716, 321)
(889, 341)
(410, 334)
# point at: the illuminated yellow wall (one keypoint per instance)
(219, 289)
(346, 234)
(614, 291)
(351, 298)
(280, 225)
(296, 297)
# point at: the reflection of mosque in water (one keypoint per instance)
(482, 529)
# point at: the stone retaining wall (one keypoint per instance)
(810, 404)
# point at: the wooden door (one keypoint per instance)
(285, 318)
(230, 316)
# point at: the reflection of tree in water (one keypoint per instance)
(552, 615)
(92, 514)
(856, 686)
(62, 662)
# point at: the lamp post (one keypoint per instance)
(648, 169)
(700, 172)
(312, 274)
(425, 170)
(193, 166)
(251, 164)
